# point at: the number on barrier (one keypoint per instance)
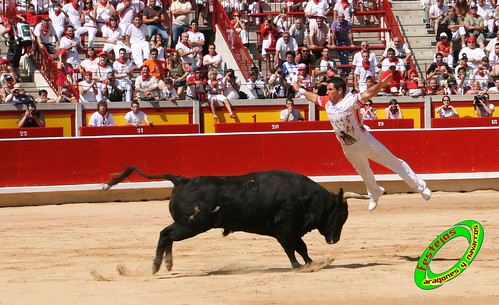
(140, 130)
(381, 124)
(494, 122)
(23, 133)
(275, 126)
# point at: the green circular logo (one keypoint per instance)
(473, 232)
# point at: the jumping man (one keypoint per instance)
(359, 146)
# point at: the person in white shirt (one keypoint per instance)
(213, 60)
(123, 68)
(73, 45)
(43, 32)
(136, 117)
(487, 11)
(437, 13)
(137, 39)
(72, 10)
(256, 86)
(101, 117)
(58, 17)
(127, 11)
(446, 110)
(473, 53)
(146, 85)
(283, 45)
(114, 37)
(290, 113)
(88, 88)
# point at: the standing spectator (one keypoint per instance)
(240, 28)
(101, 117)
(318, 36)
(123, 68)
(474, 24)
(73, 46)
(31, 117)
(341, 35)
(269, 38)
(202, 8)
(30, 16)
(256, 86)
(65, 71)
(88, 88)
(215, 95)
(368, 112)
(127, 11)
(438, 12)
(58, 18)
(290, 113)
(154, 16)
(196, 40)
(155, 65)
(483, 107)
(114, 37)
(306, 57)
(393, 110)
(491, 44)
(180, 10)
(72, 10)
(146, 86)
(103, 10)
(473, 53)
(213, 60)
(137, 39)
(187, 53)
(89, 23)
(325, 63)
(401, 51)
(446, 110)
(486, 10)
(100, 75)
(178, 72)
(298, 31)
(136, 116)
(316, 8)
(363, 71)
(290, 67)
(14, 52)
(157, 43)
(357, 57)
(283, 45)
(343, 6)
(445, 47)
(196, 86)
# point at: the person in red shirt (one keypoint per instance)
(30, 16)
(396, 81)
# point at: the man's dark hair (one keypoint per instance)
(338, 83)
(42, 91)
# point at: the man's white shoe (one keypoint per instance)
(372, 205)
(426, 194)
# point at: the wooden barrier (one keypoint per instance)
(146, 129)
(465, 122)
(33, 132)
(307, 125)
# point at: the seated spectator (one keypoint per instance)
(110, 89)
(455, 29)
(196, 86)
(306, 57)
(90, 62)
(155, 65)
(231, 85)
(31, 117)
(390, 60)
(73, 46)
(368, 112)
(446, 110)
(451, 88)
(19, 95)
(444, 76)
(303, 79)
(433, 87)
(158, 44)
(393, 110)
(438, 66)
(58, 18)
(414, 86)
(282, 21)
(473, 53)
(216, 96)
(168, 91)
(357, 57)
(137, 39)
(495, 89)
(114, 37)
(463, 63)
(188, 53)
(437, 14)
(178, 72)
(101, 73)
(65, 96)
(278, 86)
(402, 52)
(88, 88)
(324, 64)
(146, 86)
(7, 89)
(298, 31)
(43, 32)
(363, 71)
(256, 86)
(322, 81)
(101, 117)
(474, 24)
(475, 88)
(154, 17)
(463, 81)
(494, 60)
(136, 116)
(486, 11)
(491, 45)
(6, 70)
(89, 23)
(396, 82)
(290, 113)
(43, 97)
(482, 77)
(483, 107)
(290, 67)
(445, 47)
(123, 68)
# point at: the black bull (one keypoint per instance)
(277, 203)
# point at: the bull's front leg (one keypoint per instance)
(301, 248)
(174, 232)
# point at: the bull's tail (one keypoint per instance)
(129, 170)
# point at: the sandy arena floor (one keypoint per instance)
(102, 254)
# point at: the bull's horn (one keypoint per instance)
(354, 195)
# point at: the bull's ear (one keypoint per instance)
(340, 195)
(178, 180)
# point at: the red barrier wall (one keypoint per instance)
(144, 129)
(32, 162)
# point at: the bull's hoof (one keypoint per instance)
(168, 262)
(155, 266)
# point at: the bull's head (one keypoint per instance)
(336, 216)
